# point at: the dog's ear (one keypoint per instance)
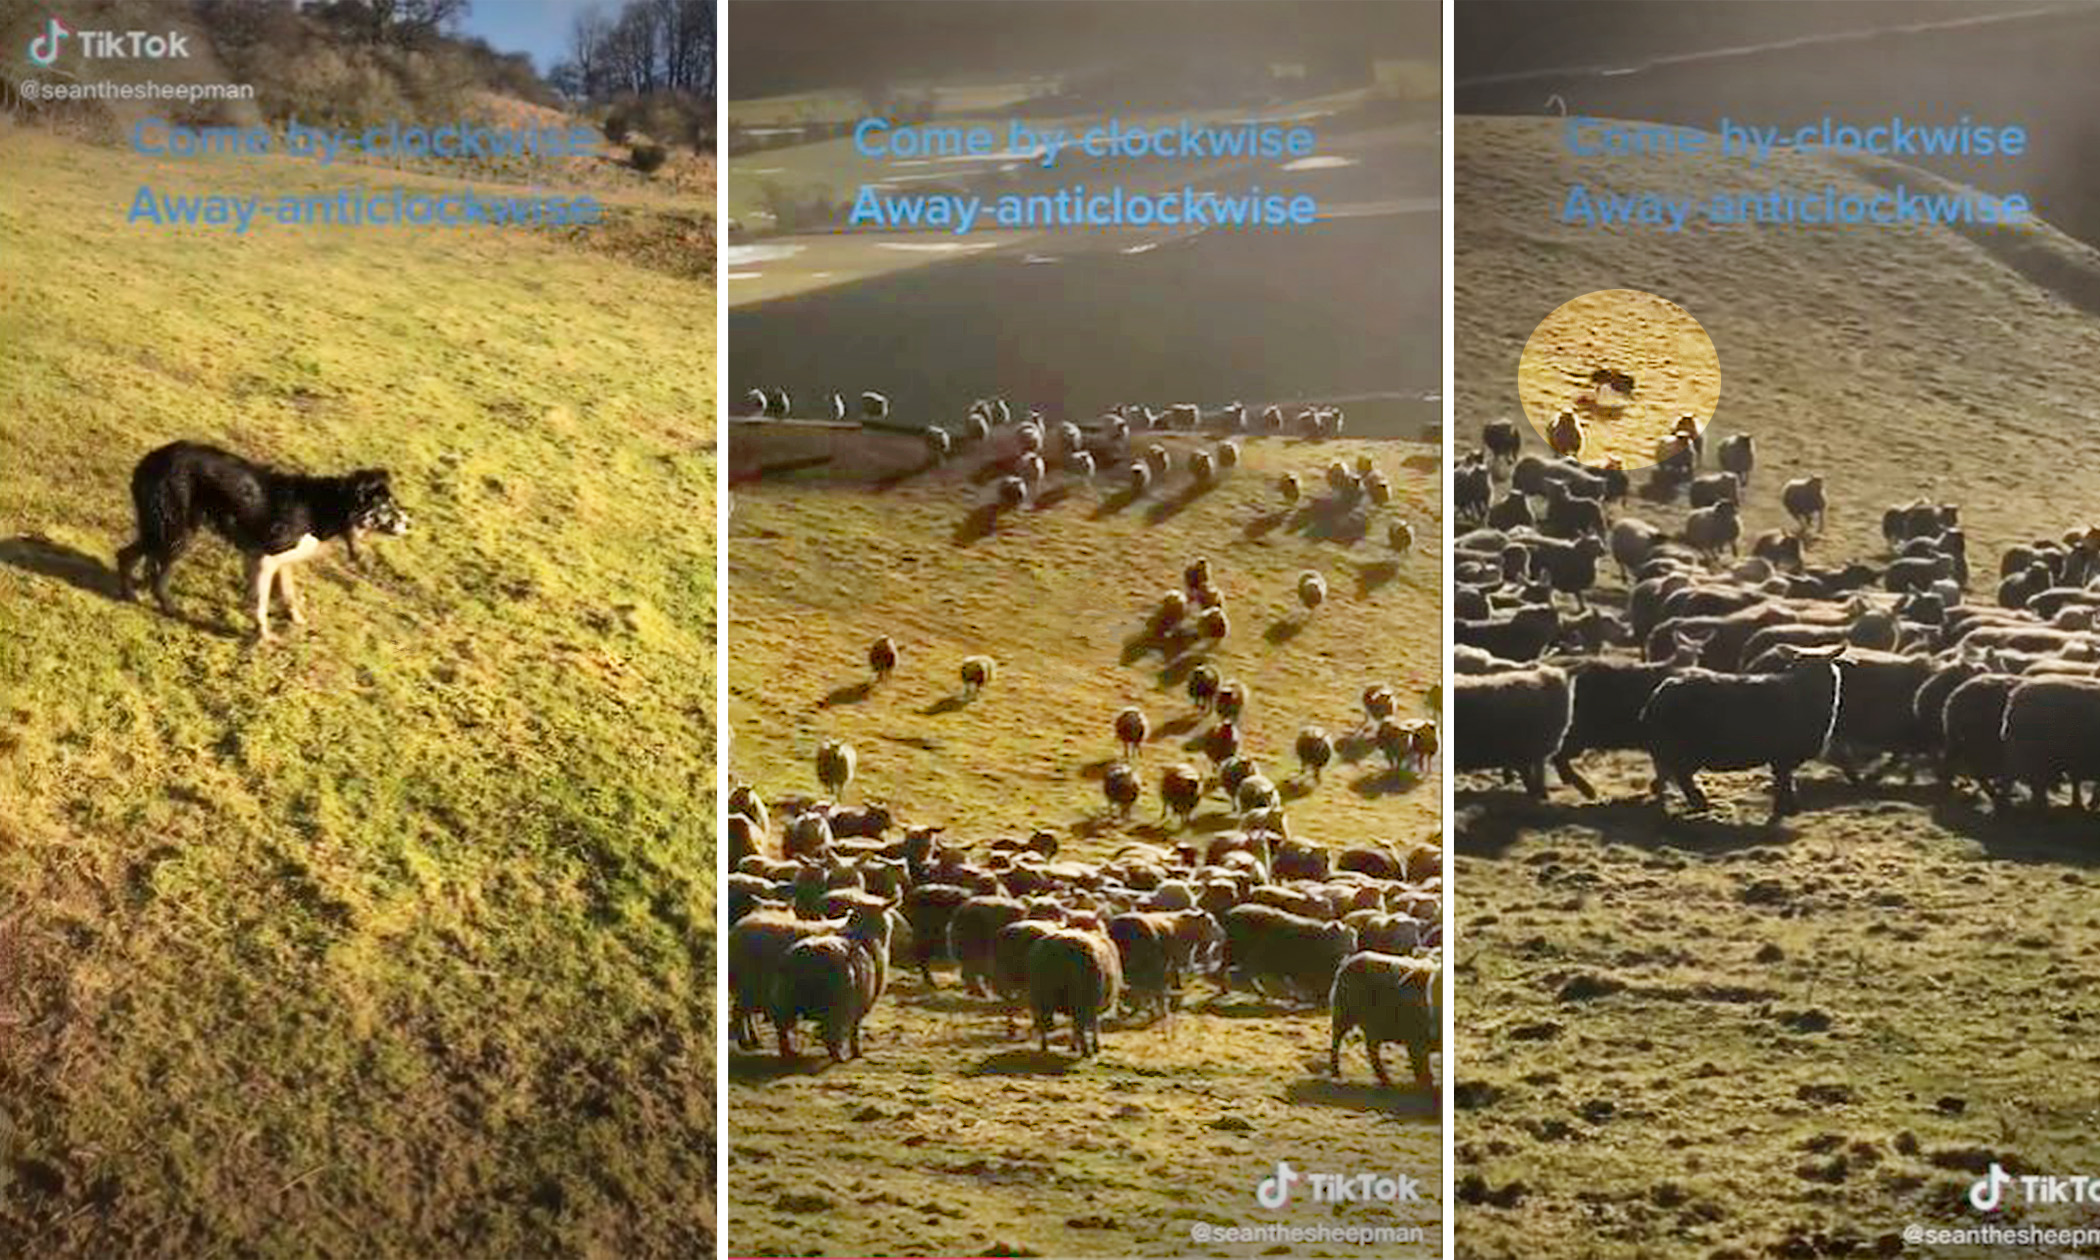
(372, 485)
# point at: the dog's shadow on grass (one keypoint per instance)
(33, 553)
(946, 705)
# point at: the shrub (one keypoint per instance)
(647, 155)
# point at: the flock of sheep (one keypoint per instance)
(819, 922)
(1765, 660)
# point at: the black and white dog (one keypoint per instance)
(276, 519)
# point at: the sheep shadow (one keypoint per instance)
(981, 523)
(33, 553)
(954, 1000)
(1137, 646)
(1030, 1062)
(1371, 576)
(1264, 525)
(1388, 782)
(1491, 821)
(1115, 503)
(1241, 1004)
(751, 1067)
(1177, 670)
(1099, 769)
(1179, 726)
(1052, 497)
(947, 704)
(1392, 1100)
(1168, 508)
(1354, 747)
(2060, 837)
(851, 693)
(890, 481)
(1283, 630)
(1296, 788)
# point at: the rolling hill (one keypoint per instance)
(1708, 1036)
(947, 1138)
(396, 936)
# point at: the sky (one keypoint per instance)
(538, 27)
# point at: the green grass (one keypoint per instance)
(393, 937)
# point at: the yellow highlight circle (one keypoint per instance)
(1674, 369)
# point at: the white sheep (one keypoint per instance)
(874, 406)
(1312, 590)
(977, 672)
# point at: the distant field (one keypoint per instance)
(395, 937)
(1707, 1036)
(1344, 310)
(947, 1139)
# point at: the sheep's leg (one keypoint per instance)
(1564, 764)
(1688, 783)
(1783, 802)
(1418, 1058)
(1535, 780)
(1377, 1063)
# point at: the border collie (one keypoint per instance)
(275, 519)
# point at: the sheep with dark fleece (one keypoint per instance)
(835, 980)
(1877, 711)
(1141, 940)
(1076, 973)
(1708, 529)
(1511, 511)
(1392, 998)
(1918, 573)
(1523, 636)
(1737, 456)
(1804, 501)
(1972, 734)
(1712, 488)
(1502, 440)
(2052, 732)
(1264, 943)
(1472, 490)
(1917, 520)
(927, 909)
(1570, 517)
(1010, 950)
(1703, 720)
(1567, 567)
(972, 927)
(1609, 694)
(1513, 720)
(757, 944)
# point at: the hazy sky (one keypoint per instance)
(539, 27)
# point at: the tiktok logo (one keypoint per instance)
(43, 49)
(1274, 1192)
(1989, 1190)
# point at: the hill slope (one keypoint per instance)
(394, 936)
(978, 1143)
(1705, 1035)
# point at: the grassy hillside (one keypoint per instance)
(1713, 1037)
(948, 1139)
(393, 937)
